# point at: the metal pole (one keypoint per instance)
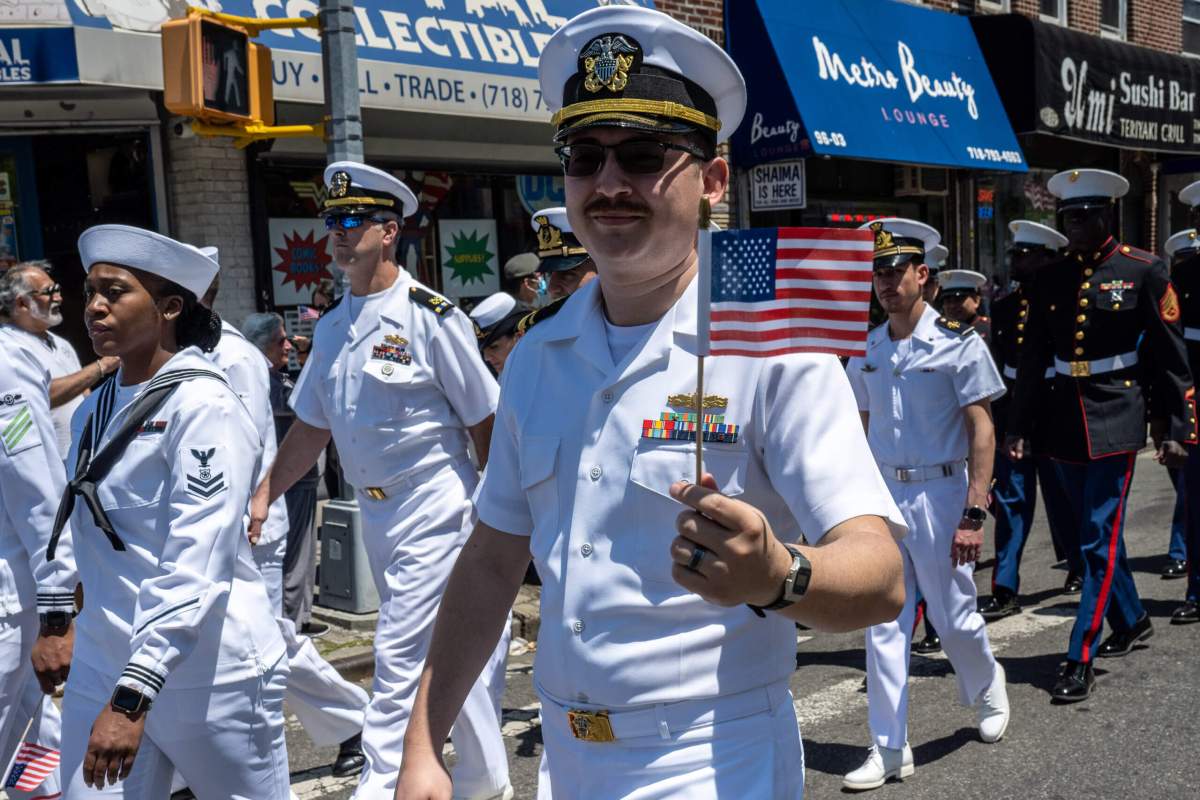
(339, 67)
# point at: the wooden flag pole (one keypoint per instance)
(705, 217)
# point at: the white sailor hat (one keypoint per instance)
(898, 240)
(351, 187)
(1182, 244)
(961, 281)
(1035, 234)
(1087, 187)
(633, 67)
(558, 247)
(935, 259)
(136, 248)
(212, 253)
(493, 309)
(1190, 195)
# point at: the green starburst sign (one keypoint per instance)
(468, 257)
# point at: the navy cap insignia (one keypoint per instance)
(883, 239)
(607, 61)
(549, 236)
(339, 184)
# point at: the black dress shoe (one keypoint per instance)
(1175, 568)
(932, 643)
(1074, 584)
(350, 759)
(1075, 683)
(1002, 603)
(1120, 643)
(1186, 614)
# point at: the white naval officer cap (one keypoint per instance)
(633, 67)
(137, 248)
(1182, 244)
(353, 188)
(935, 259)
(1190, 195)
(492, 309)
(558, 247)
(961, 281)
(899, 241)
(1087, 187)
(1030, 233)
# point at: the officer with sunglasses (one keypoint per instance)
(667, 638)
(1088, 315)
(395, 379)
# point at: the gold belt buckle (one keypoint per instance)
(1081, 369)
(591, 726)
(375, 493)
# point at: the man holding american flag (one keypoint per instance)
(668, 638)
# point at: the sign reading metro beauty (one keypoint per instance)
(868, 79)
(1054, 80)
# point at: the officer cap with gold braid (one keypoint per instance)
(558, 248)
(353, 188)
(899, 241)
(633, 67)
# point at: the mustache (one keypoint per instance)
(604, 205)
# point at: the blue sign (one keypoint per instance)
(871, 79)
(541, 191)
(37, 55)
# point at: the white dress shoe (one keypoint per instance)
(992, 710)
(882, 763)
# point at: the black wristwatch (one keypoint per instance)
(129, 702)
(975, 514)
(55, 620)
(794, 585)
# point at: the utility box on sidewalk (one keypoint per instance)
(346, 582)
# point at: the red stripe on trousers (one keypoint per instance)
(1094, 628)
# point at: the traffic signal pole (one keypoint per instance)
(339, 65)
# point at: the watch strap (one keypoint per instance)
(782, 600)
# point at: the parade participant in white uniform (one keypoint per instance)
(496, 321)
(330, 708)
(656, 679)
(924, 389)
(175, 667)
(396, 379)
(31, 483)
(564, 260)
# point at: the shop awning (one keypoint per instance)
(475, 58)
(1061, 82)
(871, 79)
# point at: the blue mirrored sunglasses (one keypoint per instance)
(349, 222)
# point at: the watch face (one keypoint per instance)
(976, 514)
(127, 700)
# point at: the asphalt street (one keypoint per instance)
(1136, 737)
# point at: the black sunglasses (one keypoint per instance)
(635, 156)
(348, 222)
(49, 291)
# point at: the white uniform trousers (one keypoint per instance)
(412, 540)
(932, 510)
(26, 714)
(331, 708)
(757, 756)
(226, 741)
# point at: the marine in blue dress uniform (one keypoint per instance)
(1034, 248)
(1090, 312)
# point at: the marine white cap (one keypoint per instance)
(1079, 186)
(492, 309)
(354, 187)
(1190, 196)
(1026, 231)
(966, 281)
(127, 246)
(937, 255)
(1182, 242)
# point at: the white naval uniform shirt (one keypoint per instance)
(570, 465)
(31, 485)
(249, 376)
(57, 358)
(915, 390)
(390, 418)
(184, 601)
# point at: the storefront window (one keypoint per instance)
(1191, 27)
(1000, 199)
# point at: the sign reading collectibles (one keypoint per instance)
(1070, 84)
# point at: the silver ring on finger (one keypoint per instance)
(697, 556)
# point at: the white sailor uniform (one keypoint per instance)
(330, 708)
(915, 390)
(177, 615)
(396, 377)
(697, 694)
(31, 483)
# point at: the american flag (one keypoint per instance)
(773, 291)
(31, 766)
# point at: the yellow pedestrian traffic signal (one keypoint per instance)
(214, 72)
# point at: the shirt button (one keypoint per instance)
(1081, 318)
(1083, 302)
(1078, 351)
(1079, 336)
(1087, 273)
(607, 396)
(586, 549)
(595, 472)
(1085, 286)
(578, 626)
